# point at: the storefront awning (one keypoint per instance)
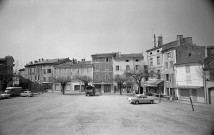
(189, 87)
(152, 83)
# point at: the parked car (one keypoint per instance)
(26, 94)
(13, 91)
(141, 99)
(4, 95)
(89, 91)
(149, 94)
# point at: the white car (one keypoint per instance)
(5, 95)
(141, 99)
(26, 94)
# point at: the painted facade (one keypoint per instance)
(71, 69)
(103, 72)
(40, 73)
(126, 62)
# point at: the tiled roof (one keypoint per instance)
(103, 55)
(132, 55)
(196, 58)
(70, 64)
(46, 61)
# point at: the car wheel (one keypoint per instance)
(136, 102)
(151, 101)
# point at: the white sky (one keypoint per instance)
(34, 29)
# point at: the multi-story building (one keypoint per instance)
(126, 62)
(103, 71)
(155, 63)
(70, 70)
(6, 71)
(172, 53)
(208, 71)
(41, 72)
(189, 78)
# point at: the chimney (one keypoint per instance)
(118, 54)
(154, 40)
(180, 39)
(160, 40)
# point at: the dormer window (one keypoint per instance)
(136, 60)
(127, 60)
(157, 50)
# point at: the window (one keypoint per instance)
(106, 77)
(150, 53)
(167, 77)
(158, 74)
(187, 68)
(38, 77)
(151, 62)
(44, 71)
(127, 67)
(169, 55)
(49, 71)
(136, 60)
(189, 54)
(49, 79)
(68, 77)
(136, 67)
(188, 78)
(127, 60)
(107, 66)
(97, 67)
(117, 68)
(157, 50)
(76, 87)
(107, 60)
(96, 60)
(57, 71)
(35, 77)
(158, 60)
(44, 79)
(166, 65)
(171, 64)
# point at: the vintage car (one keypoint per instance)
(141, 99)
(4, 95)
(26, 94)
(89, 91)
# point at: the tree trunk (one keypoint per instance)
(63, 89)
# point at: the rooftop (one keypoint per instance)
(46, 61)
(195, 58)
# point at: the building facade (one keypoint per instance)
(127, 62)
(6, 71)
(208, 71)
(189, 78)
(103, 72)
(40, 73)
(70, 70)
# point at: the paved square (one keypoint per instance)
(53, 113)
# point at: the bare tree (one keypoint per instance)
(84, 79)
(120, 80)
(63, 81)
(138, 76)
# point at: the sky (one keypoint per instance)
(48, 29)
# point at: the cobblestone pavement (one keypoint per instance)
(53, 113)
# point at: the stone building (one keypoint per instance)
(127, 62)
(40, 72)
(6, 71)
